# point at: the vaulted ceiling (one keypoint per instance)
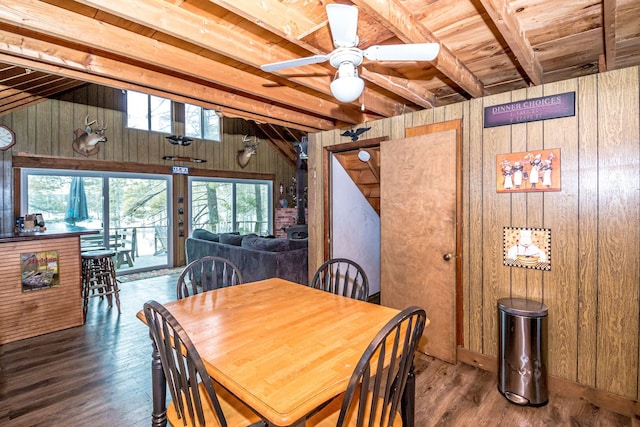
(209, 52)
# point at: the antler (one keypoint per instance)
(86, 121)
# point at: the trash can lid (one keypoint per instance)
(522, 307)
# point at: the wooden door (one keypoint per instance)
(419, 233)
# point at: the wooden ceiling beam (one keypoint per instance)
(162, 85)
(231, 42)
(394, 15)
(24, 99)
(45, 19)
(408, 89)
(610, 11)
(277, 18)
(279, 145)
(507, 23)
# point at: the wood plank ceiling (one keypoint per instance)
(208, 52)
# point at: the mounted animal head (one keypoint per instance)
(250, 148)
(86, 140)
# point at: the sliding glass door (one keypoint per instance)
(131, 211)
(224, 205)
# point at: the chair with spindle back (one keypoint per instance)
(342, 276)
(207, 273)
(195, 399)
(376, 395)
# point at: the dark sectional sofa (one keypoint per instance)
(257, 257)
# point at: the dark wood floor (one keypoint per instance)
(99, 375)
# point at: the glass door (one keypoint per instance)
(131, 211)
(139, 222)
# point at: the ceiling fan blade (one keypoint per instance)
(403, 52)
(291, 63)
(343, 21)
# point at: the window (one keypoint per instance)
(148, 112)
(201, 123)
(224, 205)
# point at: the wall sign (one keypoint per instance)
(531, 110)
(528, 171)
(39, 270)
(180, 170)
(527, 247)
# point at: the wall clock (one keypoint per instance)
(7, 138)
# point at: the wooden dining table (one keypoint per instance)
(282, 348)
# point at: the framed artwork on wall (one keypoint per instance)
(528, 171)
(527, 247)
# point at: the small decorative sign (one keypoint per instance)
(528, 171)
(39, 270)
(531, 110)
(527, 248)
(180, 170)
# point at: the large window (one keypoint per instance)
(148, 112)
(130, 211)
(223, 205)
(201, 123)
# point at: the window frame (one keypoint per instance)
(234, 181)
(202, 121)
(150, 118)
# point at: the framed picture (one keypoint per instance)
(527, 247)
(39, 270)
(528, 171)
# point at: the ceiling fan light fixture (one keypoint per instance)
(348, 86)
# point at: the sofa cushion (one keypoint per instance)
(298, 243)
(200, 233)
(266, 244)
(234, 239)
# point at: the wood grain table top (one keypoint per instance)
(282, 348)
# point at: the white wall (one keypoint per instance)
(355, 226)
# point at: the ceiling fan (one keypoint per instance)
(343, 22)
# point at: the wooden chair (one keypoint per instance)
(375, 394)
(125, 247)
(207, 273)
(342, 276)
(195, 399)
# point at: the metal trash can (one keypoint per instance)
(522, 351)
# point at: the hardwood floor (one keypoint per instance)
(99, 375)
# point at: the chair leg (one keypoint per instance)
(114, 283)
(408, 401)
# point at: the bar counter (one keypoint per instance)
(30, 307)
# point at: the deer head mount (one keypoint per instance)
(250, 148)
(87, 139)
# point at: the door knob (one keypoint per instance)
(447, 257)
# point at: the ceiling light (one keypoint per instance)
(364, 156)
(347, 87)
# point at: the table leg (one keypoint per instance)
(159, 390)
(408, 401)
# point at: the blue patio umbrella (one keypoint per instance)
(77, 203)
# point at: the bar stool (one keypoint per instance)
(99, 278)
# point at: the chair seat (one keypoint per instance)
(328, 416)
(236, 413)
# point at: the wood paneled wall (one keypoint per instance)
(593, 287)
(47, 129)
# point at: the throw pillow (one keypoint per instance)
(231, 239)
(266, 244)
(200, 233)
